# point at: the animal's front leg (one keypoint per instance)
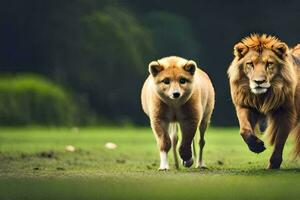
(280, 126)
(247, 120)
(160, 130)
(188, 130)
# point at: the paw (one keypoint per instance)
(164, 165)
(201, 165)
(275, 163)
(163, 168)
(273, 167)
(188, 163)
(254, 143)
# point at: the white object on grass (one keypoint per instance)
(110, 145)
(70, 148)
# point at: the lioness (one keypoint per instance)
(264, 81)
(176, 91)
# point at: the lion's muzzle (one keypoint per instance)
(259, 86)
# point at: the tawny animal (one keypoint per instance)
(177, 92)
(265, 83)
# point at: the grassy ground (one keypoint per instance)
(35, 165)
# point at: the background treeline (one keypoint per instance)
(96, 51)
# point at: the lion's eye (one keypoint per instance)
(250, 64)
(269, 63)
(166, 81)
(182, 80)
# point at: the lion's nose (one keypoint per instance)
(258, 82)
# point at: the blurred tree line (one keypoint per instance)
(100, 49)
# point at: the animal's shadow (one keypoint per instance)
(246, 172)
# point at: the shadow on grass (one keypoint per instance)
(245, 172)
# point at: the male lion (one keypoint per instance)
(265, 83)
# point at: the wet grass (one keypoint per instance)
(35, 165)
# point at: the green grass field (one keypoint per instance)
(35, 165)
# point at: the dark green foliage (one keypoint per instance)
(108, 61)
(173, 35)
(100, 49)
(31, 99)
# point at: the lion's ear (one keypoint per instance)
(190, 67)
(240, 50)
(155, 68)
(280, 49)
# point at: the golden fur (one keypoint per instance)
(266, 58)
(296, 49)
(192, 109)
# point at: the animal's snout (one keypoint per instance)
(260, 81)
(175, 95)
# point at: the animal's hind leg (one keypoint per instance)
(202, 129)
(173, 130)
(280, 127)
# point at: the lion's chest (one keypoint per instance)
(262, 103)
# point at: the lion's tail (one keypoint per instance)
(296, 134)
